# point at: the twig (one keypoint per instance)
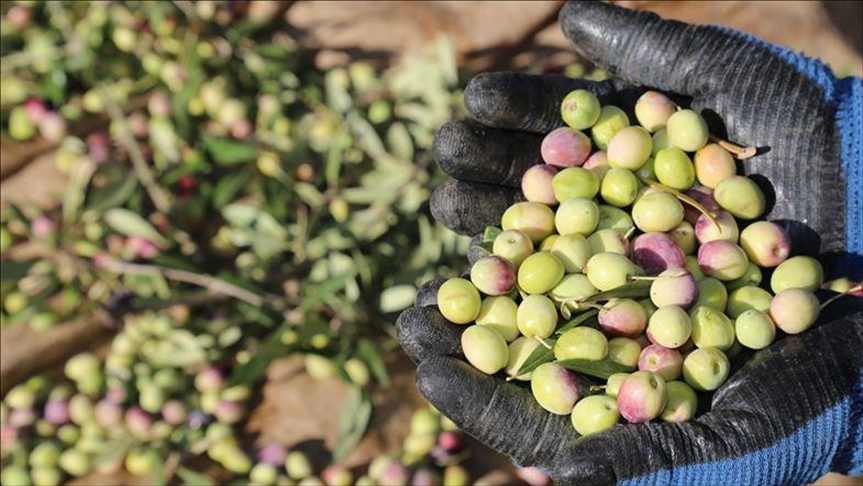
(139, 165)
(211, 283)
(843, 294)
(741, 153)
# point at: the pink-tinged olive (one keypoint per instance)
(598, 163)
(608, 240)
(577, 215)
(539, 273)
(751, 277)
(722, 260)
(684, 236)
(581, 343)
(674, 286)
(610, 270)
(499, 313)
(623, 317)
(765, 243)
(794, 310)
(660, 142)
(727, 230)
(513, 245)
(547, 243)
(458, 301)
(594, 414)
(641, 397)
(619, 187)
(653, 109)
(712, 293)
(485, 349)
(800, 272)
(674, 169)
(630, 148)
(536, 184)
(534, 219)
(667, 363)
(611, 120)
(711, 328)
(703, 196)
(706, 369)
(536, 316)
(493, 275)
(209, 379)
(669, 326)
(572, 286)
(747, 298)
(682, 403)
(565, 147)
(614, 218)
(741, 197)
(580, 109)
(519, 350)
(656, 252)
(575, 182)
(612, 386)
(755, 329)
(573, 250)
(687, 130)
(657, 212)
(713, 164)
(555, 388)
(624, 351)
(533, 476)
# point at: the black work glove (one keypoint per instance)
(792, 413)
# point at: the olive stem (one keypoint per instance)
(741, 153)
(843, 294)
(629, 233)
(542, 341)
(596, 388)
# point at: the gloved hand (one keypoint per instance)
(792, 413)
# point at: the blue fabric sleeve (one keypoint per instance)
(846, 95)
(833, 441)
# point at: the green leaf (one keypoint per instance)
(114, 195)
(254, 369)
(490, 234)
(600, 369)
(76, 189)
(193, 478)
(399, 141)
(633, 290)
(539, 356)
(316, 294)
(353, 422)
(14, 270)
(228, 187)
(368, 352)
(228, 152)
(310, 194)
(130, 223)
(577, 320)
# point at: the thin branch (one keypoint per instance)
(211, 283)
(139, 165)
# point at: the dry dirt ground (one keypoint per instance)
(488, 36)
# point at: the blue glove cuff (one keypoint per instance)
(846, 94)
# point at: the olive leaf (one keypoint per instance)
(633, 290)
(597, 368)
(540, 355)
(577, 321)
